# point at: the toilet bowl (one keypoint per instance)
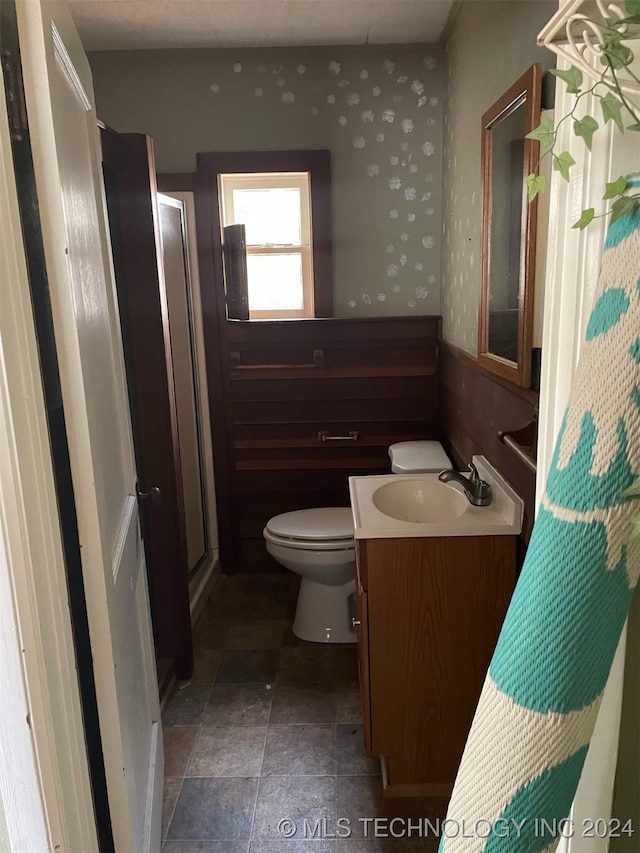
(318, 545)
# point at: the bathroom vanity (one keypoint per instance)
(432, 593)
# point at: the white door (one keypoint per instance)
(64, 135)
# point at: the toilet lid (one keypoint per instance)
(313, 524)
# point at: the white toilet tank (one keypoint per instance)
(418, 457)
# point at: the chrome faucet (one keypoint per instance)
(476, 489)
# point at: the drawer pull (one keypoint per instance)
(355, 622)
(325, 435)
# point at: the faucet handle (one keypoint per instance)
(474, 472)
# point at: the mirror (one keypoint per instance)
(508, 230)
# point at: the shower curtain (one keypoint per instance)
(541, 696)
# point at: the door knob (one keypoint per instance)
(153, 494)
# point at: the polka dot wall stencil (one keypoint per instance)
(429, 62)
(387, 106)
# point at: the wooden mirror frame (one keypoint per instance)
(528, 86)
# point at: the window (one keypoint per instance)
(283, 201)
(275, 209)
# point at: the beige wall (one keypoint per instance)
(491, 43)
(378, 109)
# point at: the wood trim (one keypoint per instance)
(471, 361)
(318, 163)
(529, 84)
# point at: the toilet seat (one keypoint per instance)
(324, 529)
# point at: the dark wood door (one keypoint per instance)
(130, 185)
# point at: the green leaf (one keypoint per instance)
(612, 110)
(635, 126)
(630, 19)
(572, 77)
(562, 163)
(585, 218)
(616, 54)
(544, 134)
(586, 127)
(615, 188)
(632, 7)
(633, 491)
(620, 207)
(535, 184)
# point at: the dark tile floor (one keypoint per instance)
(269, 728)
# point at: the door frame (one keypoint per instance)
(42, 720)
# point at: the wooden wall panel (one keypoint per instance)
(284, 382)
(474, 407)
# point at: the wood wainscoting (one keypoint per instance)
(475, 407)
(364, 383)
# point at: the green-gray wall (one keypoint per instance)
(490, 45)
(378, 109)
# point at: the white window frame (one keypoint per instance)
(228, 182)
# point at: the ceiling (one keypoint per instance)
(146, 24)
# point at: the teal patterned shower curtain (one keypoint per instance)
(541, 696)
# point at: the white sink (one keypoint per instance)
(420, 500)
(404, 505)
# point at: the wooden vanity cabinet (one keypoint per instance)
(430, 612)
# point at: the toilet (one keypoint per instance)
(318, 544)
